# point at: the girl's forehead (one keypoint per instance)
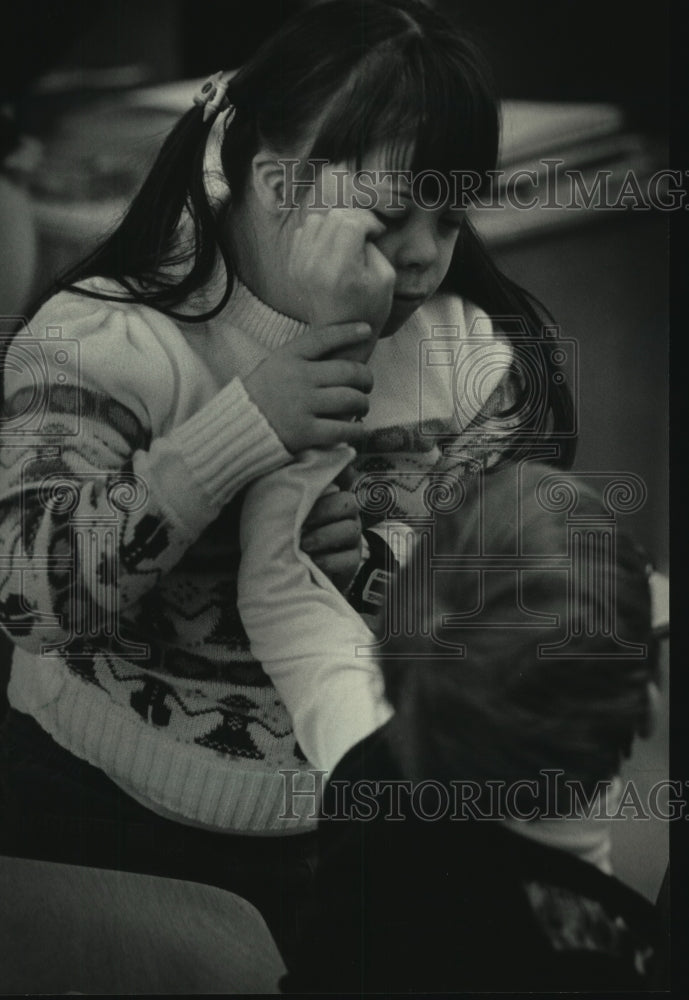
(395, 158)
(384, 165)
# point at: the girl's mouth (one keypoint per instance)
(409, 300)
(403, 305)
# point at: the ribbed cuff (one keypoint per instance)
(200, 465)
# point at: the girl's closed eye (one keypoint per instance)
(396, 219)
(391, 218)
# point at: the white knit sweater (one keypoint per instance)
(127, 443)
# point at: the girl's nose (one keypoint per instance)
(418, 248)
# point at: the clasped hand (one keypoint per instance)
(313, 390)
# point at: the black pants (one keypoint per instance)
(56, 807)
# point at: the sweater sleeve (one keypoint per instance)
(313, 645)
(98, 497)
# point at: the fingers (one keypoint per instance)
(340, 401)
(356, 222)
(340, 567)
(340, 536)
(348, 478)
(329, 432)
(379, 264)
(321, 341)
(344, 373)
(352, 226)
(331, 507)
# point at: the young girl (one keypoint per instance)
(231, 321)
(456, 850)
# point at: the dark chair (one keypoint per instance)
(67, 928)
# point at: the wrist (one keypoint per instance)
(368, 591)
(216, 452)
(364, 556)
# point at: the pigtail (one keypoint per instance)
(475, 276)
(144, 254)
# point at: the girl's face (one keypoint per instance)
(421, 227)
(420, 235)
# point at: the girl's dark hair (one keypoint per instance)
(509, 708)
(337, 80)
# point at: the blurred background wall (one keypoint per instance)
(66, 117)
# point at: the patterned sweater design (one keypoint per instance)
(119, 509)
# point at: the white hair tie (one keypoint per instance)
(212, 95)
(214, 180)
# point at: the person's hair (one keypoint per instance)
(507, 710)
(336, 81)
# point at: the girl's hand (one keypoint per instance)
(340, 274)
(309, 399)
(331, 536)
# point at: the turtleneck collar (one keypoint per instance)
(260, 321)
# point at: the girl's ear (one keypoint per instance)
(268, 180)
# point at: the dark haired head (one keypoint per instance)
(345, 78)
(336, 81)
(510, 708)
